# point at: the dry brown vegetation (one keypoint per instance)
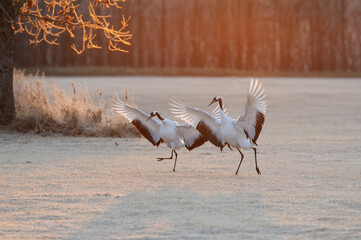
(43, 107)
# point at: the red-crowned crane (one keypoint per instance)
(241, 133)
(156, 131)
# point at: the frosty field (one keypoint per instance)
(309, 153)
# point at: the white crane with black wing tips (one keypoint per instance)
(156, 131)
(241, 133)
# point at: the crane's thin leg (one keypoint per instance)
(255, 160)
(161, 159)
(242, 156)
(175, 161)
(227, 144)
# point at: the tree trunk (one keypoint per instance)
(7, 108)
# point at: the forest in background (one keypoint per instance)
(299, 36)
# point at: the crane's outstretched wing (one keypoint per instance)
(205, 123)
(192, 137)
(216, 113)
(149, 129)
(253, 116)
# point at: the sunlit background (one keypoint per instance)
(73, 168)
(221, 36)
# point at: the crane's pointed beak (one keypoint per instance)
(211, 103)
(149, 118)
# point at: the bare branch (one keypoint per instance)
(55, 17)
(50, 19)
(7, 14)
(20, 5)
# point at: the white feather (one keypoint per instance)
(133, 114)
(194, 116)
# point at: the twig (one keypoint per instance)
(7, 14)
(52, 20)
(20, 4)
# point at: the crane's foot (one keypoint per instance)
(258, 171)
(161, 159)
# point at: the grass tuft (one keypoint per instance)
(44, 108)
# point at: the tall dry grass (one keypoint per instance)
(42, 107)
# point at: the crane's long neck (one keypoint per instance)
(220, 103)
(224, 117)
(160, 118)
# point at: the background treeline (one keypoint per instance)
(249, 35)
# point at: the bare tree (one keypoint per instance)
(47, 21)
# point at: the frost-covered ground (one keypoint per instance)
(58, 187)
